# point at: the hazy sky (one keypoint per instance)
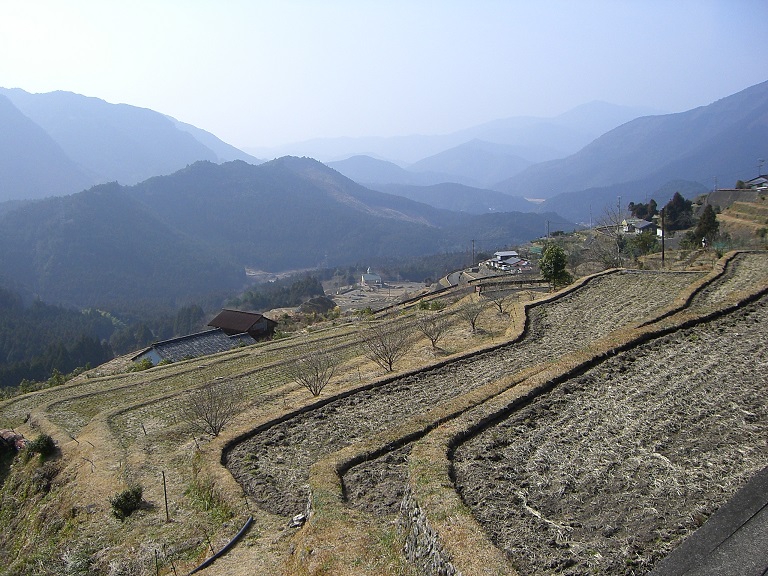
(263, 73)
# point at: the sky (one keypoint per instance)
(261, 73)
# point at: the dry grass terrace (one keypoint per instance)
(119, 429)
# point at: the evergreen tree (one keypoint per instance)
(643, 211)
(678, 213)
(552, 265)
(707, 228)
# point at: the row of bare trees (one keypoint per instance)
(386, 343)
(212, 407)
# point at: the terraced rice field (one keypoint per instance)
(129, 427)
(273, 466)
(746, 272)
(612, 469)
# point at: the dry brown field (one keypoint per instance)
(573, 478)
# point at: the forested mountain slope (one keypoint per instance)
(175, 238)
(32, 164)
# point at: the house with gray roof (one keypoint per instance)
(507, 260)
(193, 345)
(637, 226)
(371, 279)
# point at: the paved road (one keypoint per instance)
(733, 542)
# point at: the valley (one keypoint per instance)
(479, 291)
(357, 452)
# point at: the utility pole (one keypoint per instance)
(662, 238)
(473, 253)
(618, 232)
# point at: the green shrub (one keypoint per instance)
(43, 445)
(144, 364)
(366, 312)
(126, 502)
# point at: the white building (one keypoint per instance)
(370, 279)
(507, 260)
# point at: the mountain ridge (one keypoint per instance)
(24, 149)
(703, 144)
(557, 136)
(174, 238)
(106, 142)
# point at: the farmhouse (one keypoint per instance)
(193, 345)
(370, 279)
(233, 322)
(507, 260)
(761, 182)
(637, 226)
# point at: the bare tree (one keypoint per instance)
(387, 342)
(470, 311)
(433, 326)
(313, 368)
(210, 408)
(609, 239)
(501, 299)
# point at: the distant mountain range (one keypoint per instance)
(172, 239)
(176, 237)
(535, 139)
(577, 162)
(460, 198)
(711, 145)
(647, 157)
(475, 163)
(59, 142)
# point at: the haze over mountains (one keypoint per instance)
(59, 142)
(536, 139)
(648, 157)
(713, 145)
(171, 239)
(174, 225)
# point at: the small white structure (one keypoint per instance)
(371, 279)
(759, 183)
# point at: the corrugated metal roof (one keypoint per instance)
(200, 344)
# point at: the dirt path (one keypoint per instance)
(273, 466)
(612, 469)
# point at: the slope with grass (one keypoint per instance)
(746, 221)
(118, 430)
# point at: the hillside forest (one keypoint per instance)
(43, 344)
